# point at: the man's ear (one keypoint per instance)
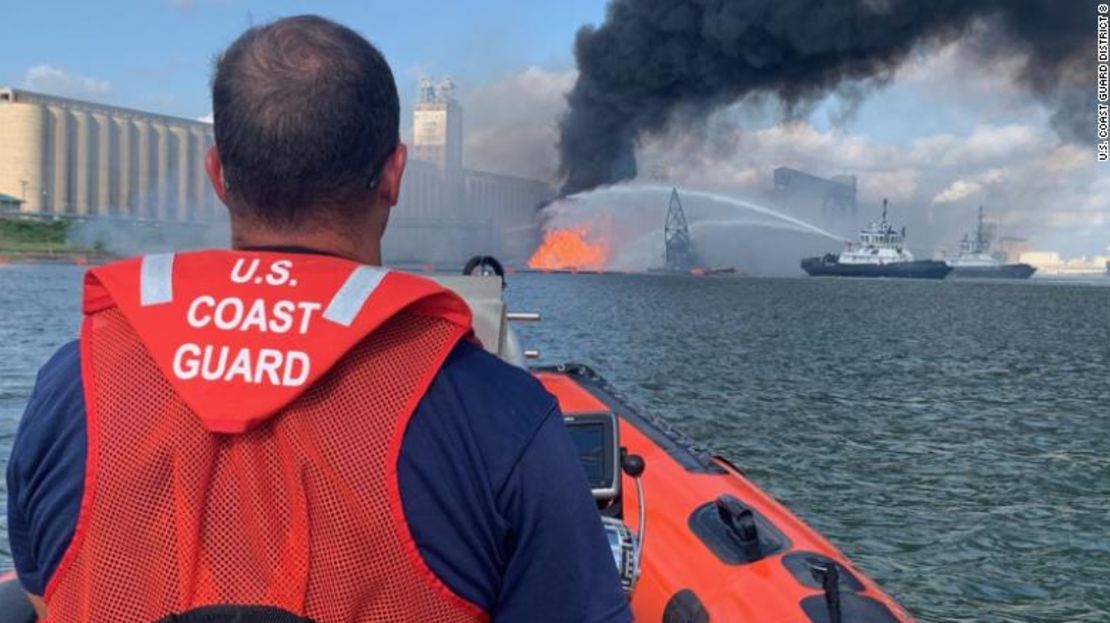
(389, 184)
(215, 171)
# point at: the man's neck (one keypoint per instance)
(362, 251)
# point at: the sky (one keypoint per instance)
(944, 136)
(158, 53)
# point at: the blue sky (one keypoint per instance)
(156, 54)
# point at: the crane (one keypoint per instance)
(676, 235)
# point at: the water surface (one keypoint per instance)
(952, 438)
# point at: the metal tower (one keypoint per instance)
(676, 234)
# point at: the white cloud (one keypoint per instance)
(957, 73)
(989, 143)
(511, 124)
(1066, 158)
(535, 88)
(958, 191)
(209, 118)
(899, 185)
(984, 143)
(54, 81)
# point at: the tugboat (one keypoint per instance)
(975, 260)
(879, 253)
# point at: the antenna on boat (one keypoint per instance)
(979, 232)
(884, 209)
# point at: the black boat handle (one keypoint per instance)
(740, 522)
(827, 573)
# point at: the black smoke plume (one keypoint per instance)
(654, 61)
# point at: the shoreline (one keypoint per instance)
(77, 257)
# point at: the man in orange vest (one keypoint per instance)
(287, 431)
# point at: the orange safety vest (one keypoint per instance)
(245, 412)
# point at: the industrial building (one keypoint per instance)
(9, 204)
(447, 212)
(437, 129)
(67, 158)
(834, 197)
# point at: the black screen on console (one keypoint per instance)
(590, 441)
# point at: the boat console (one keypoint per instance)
(596, 435)
(597, 438)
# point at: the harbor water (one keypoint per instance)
(952, 438)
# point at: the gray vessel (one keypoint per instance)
(975, 261)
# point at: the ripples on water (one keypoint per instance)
(40, 309)
(952, 438)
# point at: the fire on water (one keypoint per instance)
(571, 248)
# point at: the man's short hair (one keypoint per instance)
(306, 114)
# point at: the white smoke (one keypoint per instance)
(510, 123)
(958, 191)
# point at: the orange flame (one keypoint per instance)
(571, 248)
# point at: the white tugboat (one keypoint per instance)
(880, 252)
(975, 260)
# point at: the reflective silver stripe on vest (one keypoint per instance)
(350, 298)
(156, 279)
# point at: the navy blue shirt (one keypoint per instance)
(490, 483)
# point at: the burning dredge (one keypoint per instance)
(582, 248)
(679, 254)
(588, 247)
